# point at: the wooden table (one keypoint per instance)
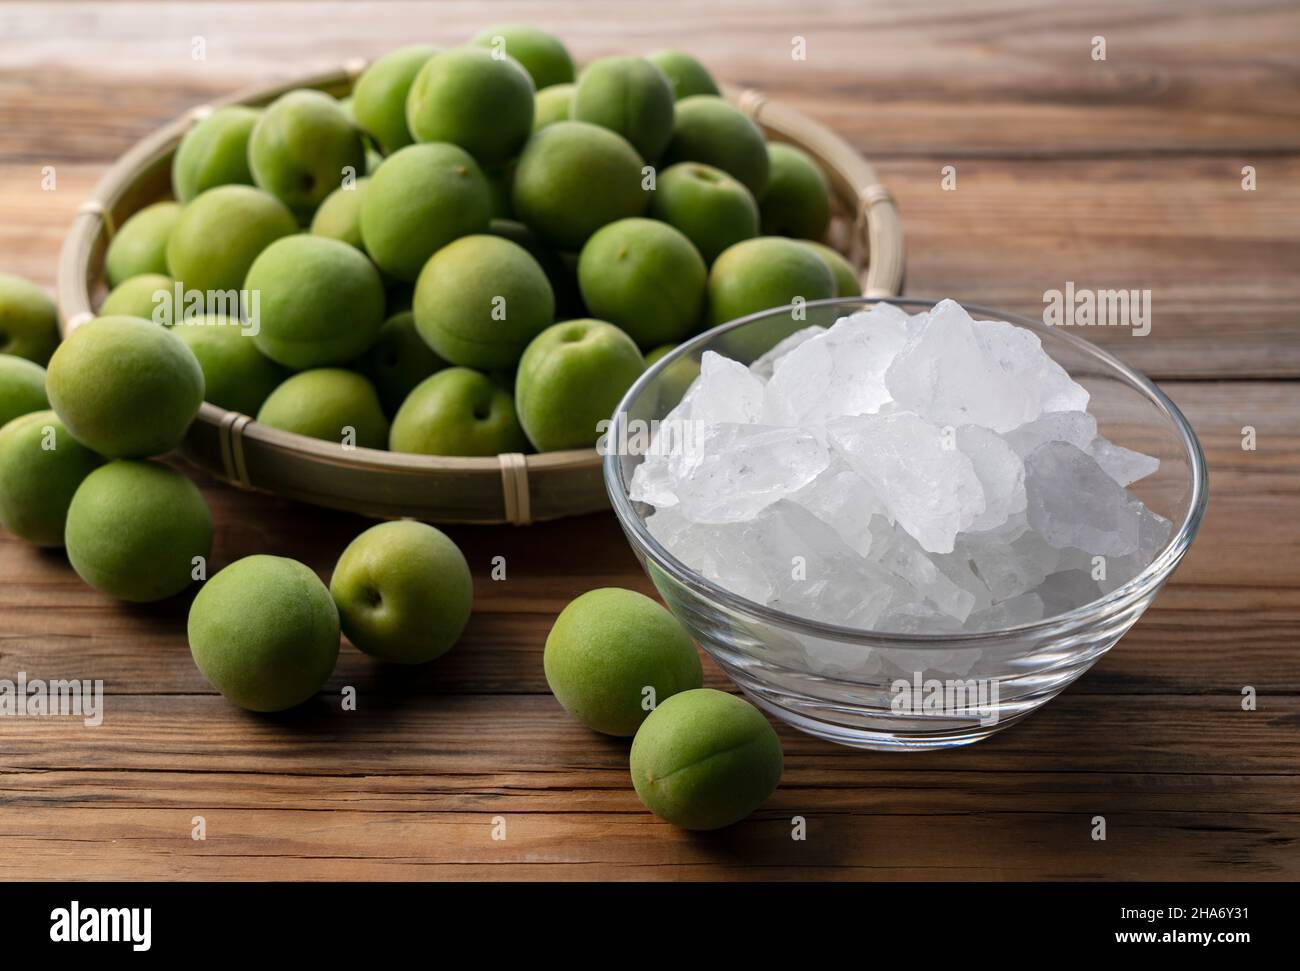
(1122, 173)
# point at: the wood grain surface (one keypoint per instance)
(1122, 173)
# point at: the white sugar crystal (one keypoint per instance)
(928, 486)
(843, 500)
(1076, 427)
(762, 366)
(928, 474)
(840, 372)
(958, 371)
(725, 392)
(740, 470)
(1000, 471)
(1122, 464)
(1073, 502)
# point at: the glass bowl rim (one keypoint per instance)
(1112, 603)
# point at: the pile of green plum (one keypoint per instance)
(265, 630)
(78, 469)
(399, 261)
(476, 250)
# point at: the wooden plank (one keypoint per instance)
(941, 78)
(401, 793)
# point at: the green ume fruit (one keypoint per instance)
(398, 361)
(221, 232)
(628, 95)
(480, 300)
(403, 591)
(473, 99)
(321, 301)
(645, 277)
(846, 277)
(379, 97)
(125, 387)
(236, 375)
(265, 633)
(613, 655)
(22, 387)
(141, 244)
(339, 216)
(331, 404)
(763, 273)
(29, 322)
(573, 178)
(705, 759)
(797, 201)
(214, 152)
(713, 131)
(711, 208)
(687, 75)
(139, 297)
(457, 412)
(544, 57)
(553, 104)
(302, 148)
(138, 531)
(570, 379)
(419, 200)
(41, 466)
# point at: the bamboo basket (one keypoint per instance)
(513, 488)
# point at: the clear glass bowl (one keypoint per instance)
(979, 683)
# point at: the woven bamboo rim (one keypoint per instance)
(511, 488)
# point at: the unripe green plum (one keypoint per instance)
(138, 531)
(480, 300)
(631, 96)
(705, 759)
(645, 277)
(331, 404)
(613, 655)
(471, 98)
(135, 297)
(553, 104)
(125, 387)
(420, 199)
(302, 148)
(214, 152)
(544, 57)
(763, 273)
(321, 301)
(797, 201)
(570, 379)
(711, 208)
(339, 216)
(403, 592)
(236, 375)
(379, 96)
(847, 283)
(22, 387)
(573, 178)
(713, 131)
(140, 244)
(265, 633)
(221, 232)
(41, 466)
(457, 411)
(687, 75)
(29, 321)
